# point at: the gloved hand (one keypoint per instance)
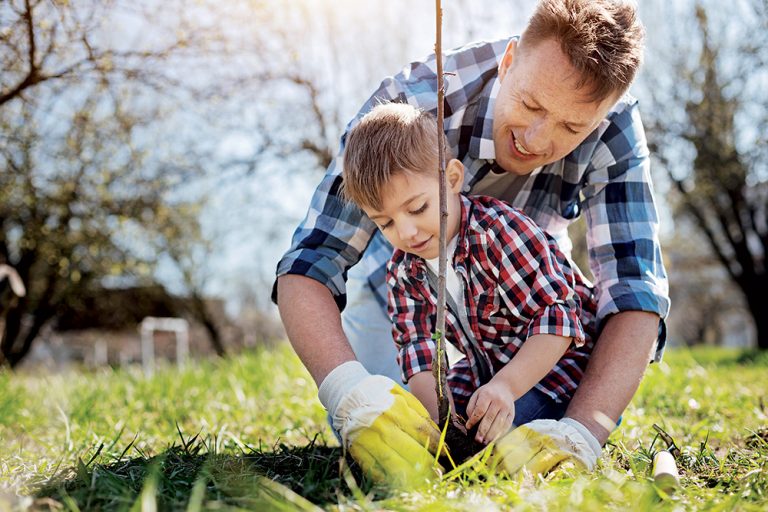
(385, 428)
(539, 446)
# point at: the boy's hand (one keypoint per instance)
(384, 427)
(493, 406)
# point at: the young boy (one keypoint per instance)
(516, 305)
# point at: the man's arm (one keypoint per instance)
(313, 324)
(615, 369)
(623, 236)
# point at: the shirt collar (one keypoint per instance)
(481, 142)
(462, 245)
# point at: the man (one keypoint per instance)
(545, 123)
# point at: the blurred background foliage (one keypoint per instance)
(172, 146)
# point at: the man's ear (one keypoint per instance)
(454, 174)
(507, 58)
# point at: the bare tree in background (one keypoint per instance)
(83, 176)
(710, 135)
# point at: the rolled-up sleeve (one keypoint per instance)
(535, 288)
(413, 318)
(330, 239)
(623, 225)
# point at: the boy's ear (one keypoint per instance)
(507, 59)
(454, 173)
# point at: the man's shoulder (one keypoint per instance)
(463, 66)
(623, 108)
(476, 54)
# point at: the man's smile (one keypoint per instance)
(518, 150)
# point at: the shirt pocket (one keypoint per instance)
(490, 319)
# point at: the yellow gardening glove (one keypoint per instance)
(385, 428)
(539, 446)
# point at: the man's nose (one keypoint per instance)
(538, 136)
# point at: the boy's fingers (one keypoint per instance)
(487, 423)
(471, 410)
(478, 412)
(500, 426)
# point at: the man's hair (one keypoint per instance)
(603, 40)
(390, 139)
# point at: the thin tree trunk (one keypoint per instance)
(11, 330)
(440, 363)
(29, 337)
(757, 302)
(201, 313)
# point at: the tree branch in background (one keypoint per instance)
(721, 178)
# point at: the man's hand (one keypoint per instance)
(493, 407)
(539, 446)
(385, 428)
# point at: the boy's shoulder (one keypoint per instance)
(489, 214)
(402, 265)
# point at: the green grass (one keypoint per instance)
(248, 433)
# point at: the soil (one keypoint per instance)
(461, 443)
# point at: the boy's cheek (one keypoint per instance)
(392, 240)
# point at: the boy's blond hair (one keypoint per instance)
(390, 139)
(603, 40)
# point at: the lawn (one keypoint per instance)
(248, 433)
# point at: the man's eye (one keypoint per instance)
(422, 209)
(571, 130)
(530, 107)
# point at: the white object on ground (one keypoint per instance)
(665, 474)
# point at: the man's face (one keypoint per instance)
(540, 116)
(410, 212)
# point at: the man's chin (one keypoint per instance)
(514, 166)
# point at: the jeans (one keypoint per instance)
(368, 328)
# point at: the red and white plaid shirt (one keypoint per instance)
(516, 283)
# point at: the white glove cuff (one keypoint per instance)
(591, 440)
(338, 383)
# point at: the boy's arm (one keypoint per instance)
(412, 315)
(492, 405)
(535, 359)
(534, 286)
(422, 386)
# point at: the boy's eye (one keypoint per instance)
(420, 209)
(386, 225)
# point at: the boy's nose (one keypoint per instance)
(407, 230)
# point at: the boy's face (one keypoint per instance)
(410, 213)
(539, 115)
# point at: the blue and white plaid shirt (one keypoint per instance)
(607, 178)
